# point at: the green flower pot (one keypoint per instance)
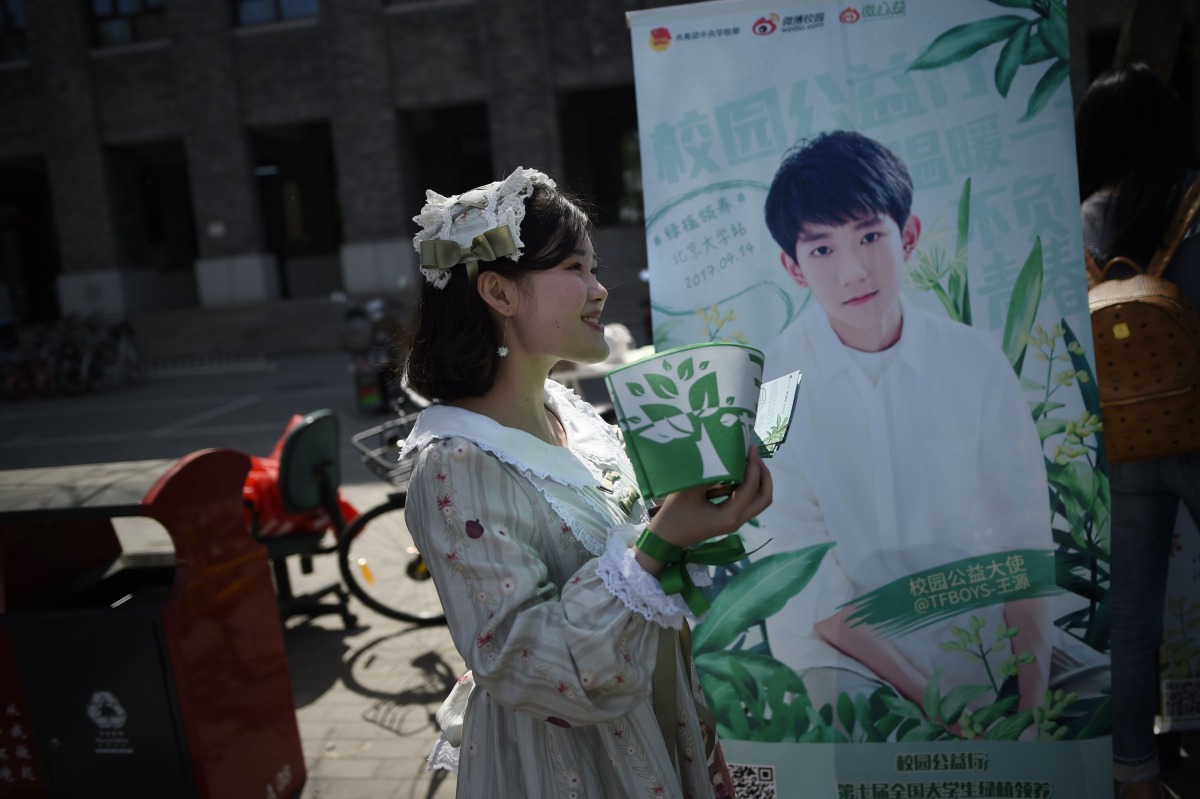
(688, 414)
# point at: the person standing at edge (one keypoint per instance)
(1134, 167)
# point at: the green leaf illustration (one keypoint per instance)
(658, 411)
(663, 386)
(1011, 57)
(963, 299)
(1050, 427)
(845, 712)
(686, 370)
(933, 695)
(1009, 729)
(1014, 3)
(636, 389)
(703, 393)
(986, 715)
(1023, 307)
(1037, 51)
(1087, 388)
(760, 590)
(963, 41)
(957, 698)
(1045, 89)
(1053, 32)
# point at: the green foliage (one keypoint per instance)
(1028, 40)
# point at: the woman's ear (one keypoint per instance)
(499, 292)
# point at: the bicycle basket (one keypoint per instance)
(380, 448)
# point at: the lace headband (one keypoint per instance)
(481, 225)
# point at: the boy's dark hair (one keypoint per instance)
(832, 179)
(452, 339)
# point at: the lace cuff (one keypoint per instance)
(639, 590)
(443, 756)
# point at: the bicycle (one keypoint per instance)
(379, 562)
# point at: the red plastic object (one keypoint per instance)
(223, 633)
(224, 664)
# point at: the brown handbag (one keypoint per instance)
(1146, 335)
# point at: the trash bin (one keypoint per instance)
(126, 676)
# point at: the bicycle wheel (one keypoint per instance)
(382, 568)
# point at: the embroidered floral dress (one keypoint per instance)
(531, 548)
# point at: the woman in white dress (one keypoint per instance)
(526, 509)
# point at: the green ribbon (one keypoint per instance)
(487, 246)
(676, 580)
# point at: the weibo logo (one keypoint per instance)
(765, 26)
(850, 15)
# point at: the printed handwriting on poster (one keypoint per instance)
(707, 241)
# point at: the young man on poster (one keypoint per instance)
(911, 447)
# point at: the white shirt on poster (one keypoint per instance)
(932, 459)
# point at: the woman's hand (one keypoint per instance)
(689, 517)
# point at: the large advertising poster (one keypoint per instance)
(883, 197)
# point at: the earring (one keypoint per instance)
(502, 350)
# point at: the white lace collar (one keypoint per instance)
(591, 440)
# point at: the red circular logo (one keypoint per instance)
(850, 15)
(764, 26)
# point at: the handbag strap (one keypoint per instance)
(1189, 207)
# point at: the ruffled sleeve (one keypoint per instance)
(578, 653)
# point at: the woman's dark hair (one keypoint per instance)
(1131, 137)
(452, 339)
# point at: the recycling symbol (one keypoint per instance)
(106, 712)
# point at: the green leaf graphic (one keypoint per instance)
(1037, 51)
(1053, 32)
(663, 386)
(1023, 307)
(757, 592)
(636, 389)
(964, 41)
(1011, 57)
(1045, 89)
(658, 411)
(686, 370)
(703, 393)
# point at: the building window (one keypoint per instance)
(12, 31)
(602, 159)
(256, 12)
(117, 22)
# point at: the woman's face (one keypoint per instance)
(558, 316)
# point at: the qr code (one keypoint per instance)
(753, 782)
(1181, 699)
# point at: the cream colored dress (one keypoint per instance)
(531, 549)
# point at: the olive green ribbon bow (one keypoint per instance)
(487, 246)
(676, 580)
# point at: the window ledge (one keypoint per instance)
(424, 5)
(128, 49)
(259, 28)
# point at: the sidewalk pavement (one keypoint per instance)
(365, 697)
